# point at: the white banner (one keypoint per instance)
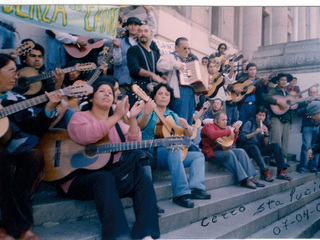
(164, 47)
(98, 21)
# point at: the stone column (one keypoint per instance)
(252, 25)
(279, 25)
(301, 23)
(314, 22)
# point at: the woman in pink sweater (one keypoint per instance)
(90, 126)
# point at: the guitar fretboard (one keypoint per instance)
(125, 146)
(47, 75)
(6, 111)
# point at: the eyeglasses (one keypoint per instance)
(186, 48)
(222, 48)
(12, 71)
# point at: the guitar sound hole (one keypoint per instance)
(288, 102)
(91, 41)
(22, 81)
(90, 150)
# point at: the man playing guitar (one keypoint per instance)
(280, 124)
(235, 160)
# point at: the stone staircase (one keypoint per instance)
(232, 212)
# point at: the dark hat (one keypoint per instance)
(276, 78)
(133, 20)
(313, 108)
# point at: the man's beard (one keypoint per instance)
(143, 40)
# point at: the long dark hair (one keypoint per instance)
(169, 89)
(100, 81)
(5, 59)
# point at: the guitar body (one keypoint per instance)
(225, 143)
(62, 156)
(76, 52)
(278, 110)
(162, 132)
(214, 86)
(28, 89)
(237, 97)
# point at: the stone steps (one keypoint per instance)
(60, 218)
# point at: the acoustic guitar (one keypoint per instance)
(165, 126)
(30, 82)
(224, 60)
(63, 156)
(218, 80)
(72, 91)
(226, 142)
(77, 51)
(291, 101)
(74, 102)
(247, 88)
(197, 121)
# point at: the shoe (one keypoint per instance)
(313, 170)
(247, 183)
(267, 177)
(282, 175)
(301, 171)
(183, 201)
(256, 182)
(199, 194)
(160, 210)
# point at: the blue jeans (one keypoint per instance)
(236, 161)
(247, 111)
(232, 113)
(185, 105)
(66, 118)
(309, 135)
(173, 160)
(7, 39)
(55, 53)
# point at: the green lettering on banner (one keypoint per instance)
(85, 20)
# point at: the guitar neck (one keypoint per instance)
(94, 77)
(48, 75)
(125, 146)
(6, 111)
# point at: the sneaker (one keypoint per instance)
(254, 180)
(199, 194)
(301, 170)
(247, 183)
(267, 177)
(282, 175)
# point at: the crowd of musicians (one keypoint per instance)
(132, 93)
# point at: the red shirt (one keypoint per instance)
(209, 133)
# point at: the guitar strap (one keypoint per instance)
(145, 59)
(120, 133)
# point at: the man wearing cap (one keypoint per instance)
(313, 111)
(121, 46)
(310, 130)
(280, 123)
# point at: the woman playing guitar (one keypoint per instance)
(162, 95)
(97, 123)
(21, 166)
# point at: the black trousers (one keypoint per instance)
(20, 175)
(256, 153)
(100, 186)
